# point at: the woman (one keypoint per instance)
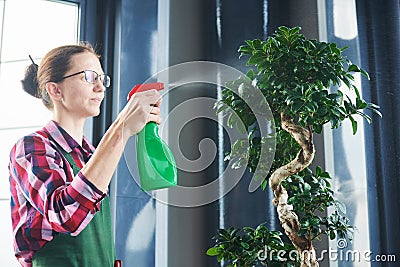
(59, 183)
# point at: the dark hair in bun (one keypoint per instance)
(30, 83)
(53, 67)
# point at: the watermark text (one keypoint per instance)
(340, 254)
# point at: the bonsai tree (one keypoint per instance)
(294, 75)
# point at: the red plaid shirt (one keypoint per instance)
(45, 196)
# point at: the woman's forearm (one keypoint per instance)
(101, 166)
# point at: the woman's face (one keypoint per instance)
(80, 98)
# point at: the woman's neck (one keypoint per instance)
(73, 127)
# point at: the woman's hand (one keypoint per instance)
(142, 108)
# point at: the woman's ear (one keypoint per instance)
(54, 91)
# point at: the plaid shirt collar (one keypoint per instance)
(64, 140)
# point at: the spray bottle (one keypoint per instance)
(156, 164)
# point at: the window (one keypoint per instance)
(28, 27)
(345, 152)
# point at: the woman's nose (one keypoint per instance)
(99, 86)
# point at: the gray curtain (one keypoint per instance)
(379, 31)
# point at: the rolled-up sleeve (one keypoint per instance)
(66, 202)
(84, 192)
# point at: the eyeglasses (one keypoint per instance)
(92, 77)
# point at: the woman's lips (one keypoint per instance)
(97, 99)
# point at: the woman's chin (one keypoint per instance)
(94, 113)
(97, 113)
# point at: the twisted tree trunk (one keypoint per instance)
(287, 217)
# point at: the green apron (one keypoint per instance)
(92, 247)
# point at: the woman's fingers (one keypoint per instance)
(159, 101)
(155, 110)
(153, 97)
(154, 115)
(154, 118)
(142, 108)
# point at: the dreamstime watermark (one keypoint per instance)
(202, 74)
(340, 254)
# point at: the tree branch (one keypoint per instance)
(287, 217)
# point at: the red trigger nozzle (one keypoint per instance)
(145, 87)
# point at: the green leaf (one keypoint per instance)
(213, 251)
(317, 128)
(296, 106)
(245, 49)
(332, 234)
(264, 184)
(374, 108)
(257, 44)
(353, 68)
(250, 74)
(221, 257)
(307, 187)
(221, 108)
(365, 116)
(353, 124)
(325, 175)
(355, 88)
(318, 171)
(231, 120)
(363, 72)
(245, 245)
(249, 43)
(315, 221)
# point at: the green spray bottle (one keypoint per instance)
(156, 163)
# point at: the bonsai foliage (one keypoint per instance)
(295, 75)
(249, 246)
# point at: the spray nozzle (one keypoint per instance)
(145, 87)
